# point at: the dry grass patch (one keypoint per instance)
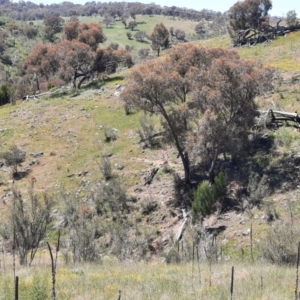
(139, 280)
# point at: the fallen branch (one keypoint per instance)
(250, 37)
(276, 117)
(151, 137)
(181, 229)
(38, 95)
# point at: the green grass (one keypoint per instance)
(71, 128)
(116, 33)
(282, 53)
(79, 144)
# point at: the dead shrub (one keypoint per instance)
(81, 221)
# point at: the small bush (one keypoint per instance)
(206, 196)
(263, 161)
(147, 131)
(81, 229)
(110, 134)
(5, 94)
(166, 169)
(105, 168)
(13, 157)
(127, 109)
(270, 212)
(110, 198)
(40, 288)
(285, 138)
(280, 244)
(173, 257)
(28, 223)
(129, 35)
(149, 206)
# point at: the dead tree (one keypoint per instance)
(251, 37)
(277, 118)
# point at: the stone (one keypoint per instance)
(38, 154)
(247, 232)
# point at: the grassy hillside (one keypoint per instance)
(64, 139)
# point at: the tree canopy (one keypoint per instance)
(160, 38)
(199, 93)
(249, 14)
(77, 58)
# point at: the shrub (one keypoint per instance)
(109, 197)
(110, 134)
(105, 168)
(40, 288)
(81, 220)
(280, 244)
(5, 94)
(206, 196)
(143, 53)
(172, 257)
(129, 35)
(28, 223)
(149, 206)
(147, 131)
(13, 157)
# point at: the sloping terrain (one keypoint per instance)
(64, 139)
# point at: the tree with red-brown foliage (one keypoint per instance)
(91, 34)
(87, 33)
(76, 58)
(76, 61)
(205, 98)
(69, 60)
(225, 95)
(108, 59)
(70, 30)
(42, 60)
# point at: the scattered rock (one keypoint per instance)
(34, 162)
(107, 155)
(119, 167)
(82, 173)
(247, 232)
(38, 154)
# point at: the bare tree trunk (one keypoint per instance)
(186, 166)
(211, 172)
(37, 82)
(81, 81)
